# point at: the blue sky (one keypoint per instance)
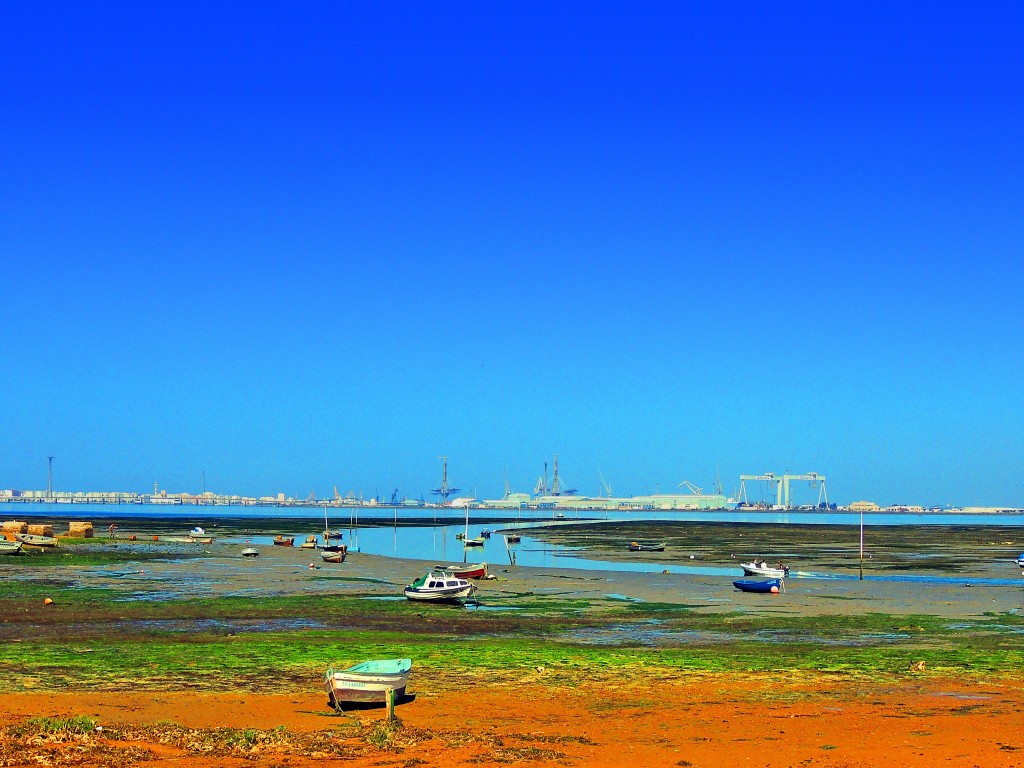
(304, 247)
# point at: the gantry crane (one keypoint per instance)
(768, 477)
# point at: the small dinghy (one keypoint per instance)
(1020, 560)
(637, 546)
(36, 540)
(309, 543)
(284, 541)
(478, 571)
(334, 556)
(250, 552)
(766, 586)
(440, 586)
(369, 681)
(10, 547)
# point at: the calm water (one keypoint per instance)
(381, 531)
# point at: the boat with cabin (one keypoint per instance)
(284, 541)
(439, 586)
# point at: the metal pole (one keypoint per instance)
(49, 478)
(862, 545)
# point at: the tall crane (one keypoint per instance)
(691, 487)
(446, 489)
(605, 485)
(816, 481)
(768, 477)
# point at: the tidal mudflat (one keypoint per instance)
(192, 655)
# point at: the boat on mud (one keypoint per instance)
(478, 571)
(1020, 560)
(10, 547)
(367, 682)
(637, 546)
(439, 586)
(250, 552)
(309, 543)
(284, 541)
(334, 556)
(35, 540)
(765, 586)
(761, 568)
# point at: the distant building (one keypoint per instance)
(863, 506)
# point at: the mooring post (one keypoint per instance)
(390, 693)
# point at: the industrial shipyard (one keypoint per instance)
(767, 491)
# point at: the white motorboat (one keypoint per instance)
(761, 568)
(250, 552)
(440, 586)
(1020, 560)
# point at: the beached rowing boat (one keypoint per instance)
(369, 681)
(36, 540)
(10, 547)
(334, 556)
(635, 546)
(284, 541)
(250, 552)
(478, 571)
(767, 586)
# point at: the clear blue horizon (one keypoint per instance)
(299, 248)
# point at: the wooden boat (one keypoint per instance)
(309, 543)
(36, 540)
(513, 538)
(472, 542)
(250, 552)
(761, 568)
(284, 541)
(767, 586)
(185, 539)
(10, 547)
(478, 571)
(440, 586)
(635, 546)
(336, 556)
(369, 681)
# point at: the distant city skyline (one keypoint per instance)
(300, 247)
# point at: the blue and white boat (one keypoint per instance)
(1020, 560)
(765, 586)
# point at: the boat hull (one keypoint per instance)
(634, 547)
(333, 557)
(478, 571)
(281, 541)
(355, 685)
(769, 586)
(447, 594)
(749, 569)
(250, 552)
(10, 547)
(35, 540)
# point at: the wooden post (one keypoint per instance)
(390, 694)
